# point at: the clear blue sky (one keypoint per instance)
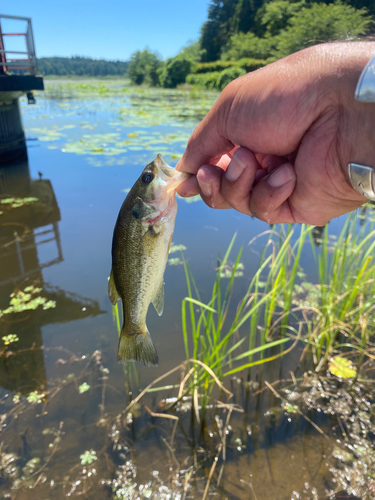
(110, 29)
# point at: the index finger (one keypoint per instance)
(209, 141)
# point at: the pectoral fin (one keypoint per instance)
(142, 210)
(112, 291)
(159, 300)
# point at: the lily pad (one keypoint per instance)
(342, 367)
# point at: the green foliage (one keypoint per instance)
(17, 202)
(276, 15)
(80, 66)
(203, 80)
(248, 63)
(212, 339)
(228, 75)
(26, 301)
(36, 397)
(192, 51)
(225, 18)
(144, 68)
(342, 304)
(321, 23)
(248, 45)
(209, 67)
(342, 367)
(216, 79)
(8, 339)
(175, 71)
(83, 388)
(88, 457)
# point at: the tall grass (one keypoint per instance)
(343, 303)
(214, 338)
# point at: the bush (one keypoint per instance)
(248, 63)
(175, 71)
(216, 79)
(229, 75)
(144, 68)
(203, 80)
(214, 66)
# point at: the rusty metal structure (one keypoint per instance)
(18, 76)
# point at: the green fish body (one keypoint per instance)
(140, 247)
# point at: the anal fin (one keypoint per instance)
(158, 300)
(112, 291)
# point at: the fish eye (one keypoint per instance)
(147, 177)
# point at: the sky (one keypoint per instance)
(107, 29)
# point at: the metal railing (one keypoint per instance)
(10, 63)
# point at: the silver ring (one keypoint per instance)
(365, 90)
(362, 179)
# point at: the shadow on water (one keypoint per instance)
(29, 220)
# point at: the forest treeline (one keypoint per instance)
(80, 66)
(238, 36)
(242, 35)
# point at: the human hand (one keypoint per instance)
(277, 141)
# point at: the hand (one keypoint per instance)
(277, 141)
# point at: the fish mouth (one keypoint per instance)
(177, 179)
(171, 176)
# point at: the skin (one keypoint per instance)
(277, 141)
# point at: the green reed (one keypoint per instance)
(265, 307)
(343, 302)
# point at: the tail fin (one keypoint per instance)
(137, 347)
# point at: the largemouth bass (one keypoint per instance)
(140, 247)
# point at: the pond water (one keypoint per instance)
(66, 429)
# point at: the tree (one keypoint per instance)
(80, 66)
(216, 31)
(276, 15)
(144, 67)
(248, 45)
(175, 71)
(192, 51)
(322, 23)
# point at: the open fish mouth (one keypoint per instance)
(170, 175)
(177, 179)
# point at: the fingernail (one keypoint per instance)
(281, 176)
(206, 187)
(236, 166)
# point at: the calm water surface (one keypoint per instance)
(62, 391)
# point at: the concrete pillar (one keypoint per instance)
(12, 137)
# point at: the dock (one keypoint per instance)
(18, 76)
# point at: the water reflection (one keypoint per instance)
(29, 221)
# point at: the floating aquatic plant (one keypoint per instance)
(36, 397)
(83, 387)
(26, 301)
(8, 339)
(88, 457)
(17, 202)
(342, 367)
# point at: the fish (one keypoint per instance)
(140, 246)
